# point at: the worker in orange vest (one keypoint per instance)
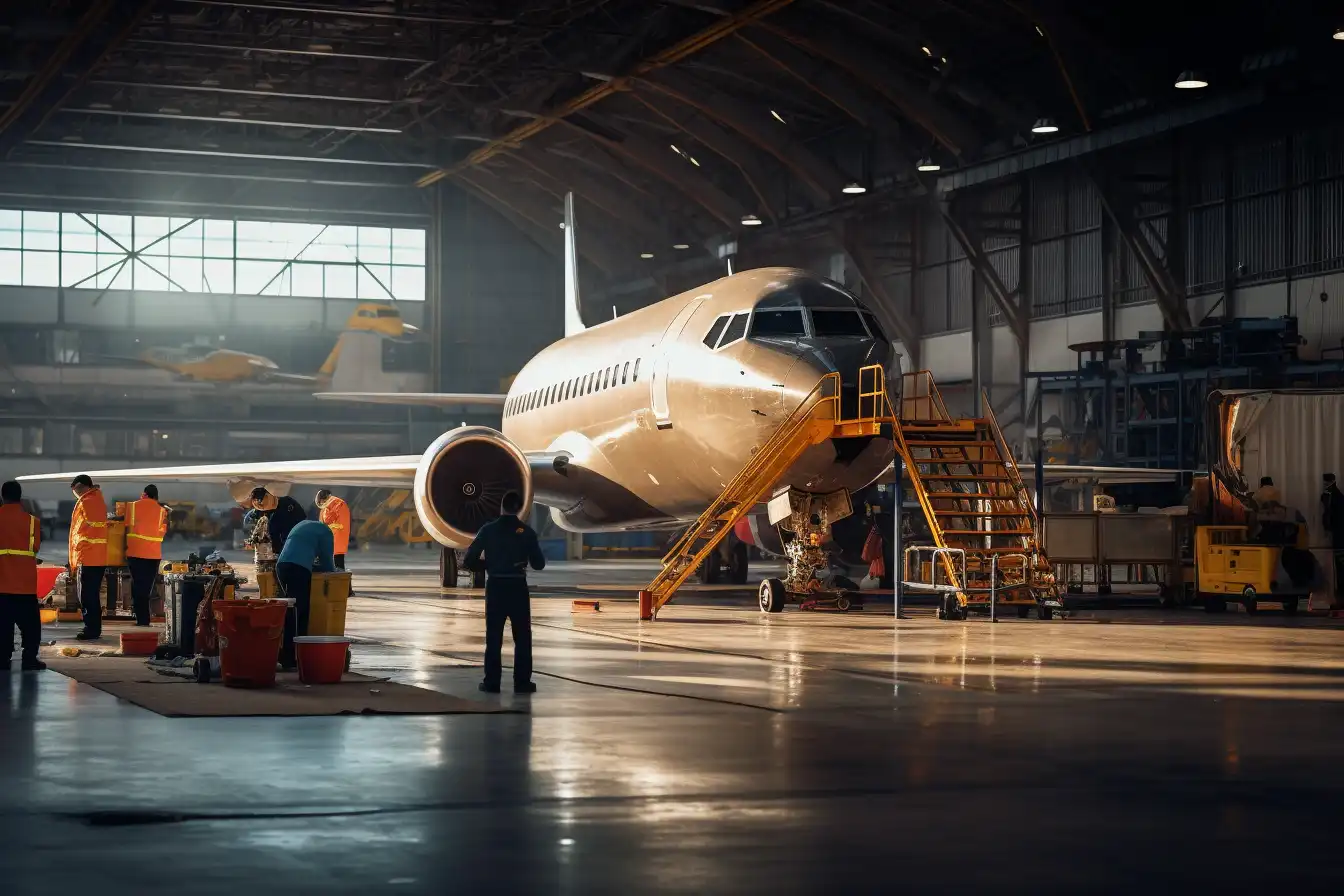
(20, 538)
(335, 513)
(146, 524)
(88, 553)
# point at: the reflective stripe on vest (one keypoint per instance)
(32, 542)
(144, 537)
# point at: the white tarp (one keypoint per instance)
(1295, 438)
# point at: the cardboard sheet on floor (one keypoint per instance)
(130, 679)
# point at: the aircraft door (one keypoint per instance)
(662, 364)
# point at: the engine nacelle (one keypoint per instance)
(461, 478)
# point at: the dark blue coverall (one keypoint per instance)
(504, 548)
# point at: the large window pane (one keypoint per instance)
(41, 230)
(149, 229)
(116, 277)
(408, 284)
(186, 242)
(306, 279)
(218, 275)
(218, 239)
(116, 232)
(77, 234)
(41, 269)
(254, 275)
(375, 245)
(374, 281)
(149, 278)
(11, 267)
(340, 281)
(77, 266)
(186, 273)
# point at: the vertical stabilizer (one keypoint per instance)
(573, 313)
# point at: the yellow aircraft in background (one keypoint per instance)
(206, 364)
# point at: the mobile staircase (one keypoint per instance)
(817, 418)
(980, 517)
(979, 514)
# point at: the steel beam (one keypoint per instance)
(1169, 293)
(372, 13)
(662, 162)
(716, 32)
(278, 51)
(238, 91)
(825, 40)
(224, 154)
(596, 193)
(723, 143)
(905, 326)
(216, 119)
(816, 175)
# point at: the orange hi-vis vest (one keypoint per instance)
(20, 537)
(88, 530)
(335, 515)
(146, 524)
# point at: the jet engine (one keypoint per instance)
(461, 478)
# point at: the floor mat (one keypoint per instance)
(130, 679)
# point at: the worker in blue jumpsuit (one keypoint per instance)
(308, 549)
(504, 548)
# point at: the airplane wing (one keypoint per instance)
(419, 399)
(296, 379)
(395, 471)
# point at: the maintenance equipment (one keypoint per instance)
(976, 507)
(961, 470)
(1229, 566)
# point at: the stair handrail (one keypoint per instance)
(670, 577)
(1010, 465)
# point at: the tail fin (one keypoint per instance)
(328, 367)
(573, 307)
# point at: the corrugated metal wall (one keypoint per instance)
(1279, 198)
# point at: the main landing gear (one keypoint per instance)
(451, 571)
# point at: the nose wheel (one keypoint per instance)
(772, 596)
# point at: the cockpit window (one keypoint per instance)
(712, 337)
(873, 326)
(829, 322)
(737, 328)
(777, 322)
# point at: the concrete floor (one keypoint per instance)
(716, 750)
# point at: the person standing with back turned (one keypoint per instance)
(146, 525)
(335, 513)
(504, 548)
(20, 538)
(88, 553)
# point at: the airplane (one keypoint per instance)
(636, 423)
(203, 363)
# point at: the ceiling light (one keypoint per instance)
(1339, 34)
(751, 221)
(1039, 31)
(1189, 80)
(927, 164)
(681, 245)
(646, 255)
(562, 225)
(320, 48)
(778, 117)
(943, 59)
(684, 154)
(927, 51)
(99, 106)
(854, 188)
(1045, 126)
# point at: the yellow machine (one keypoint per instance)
(204, 363)
(190, 521)
(394, 519)
(1230, 567)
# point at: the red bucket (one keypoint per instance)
(249, 641)
(321, 658)
(46, 579)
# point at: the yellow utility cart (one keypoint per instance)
(1230, 567)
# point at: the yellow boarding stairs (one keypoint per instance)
(979, 513)
(816, 419)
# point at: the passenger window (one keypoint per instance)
(777, 322)
(635, 376)
(625, 373)
(712, 337)
(605, 374)
(736, 329)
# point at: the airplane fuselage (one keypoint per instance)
(658, 410)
